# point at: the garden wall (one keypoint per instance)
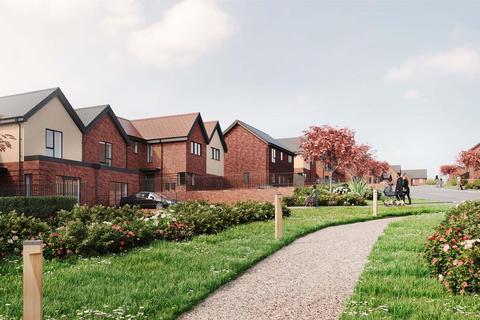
(231, 195)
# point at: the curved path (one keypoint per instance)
(309, 279)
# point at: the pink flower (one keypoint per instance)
(446, 247)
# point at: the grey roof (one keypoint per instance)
(19, 105)
(291, 143)
(261, 135)
(416, 174)
(88, 114)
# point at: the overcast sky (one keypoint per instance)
(403, 74)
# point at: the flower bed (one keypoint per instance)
(99, 230)
(342, 196)
(453, 251)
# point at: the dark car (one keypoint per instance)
(147, 200)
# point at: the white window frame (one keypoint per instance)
(215, 154)
(281, 155)
(274, 155)
(135, 147)
(195, 148)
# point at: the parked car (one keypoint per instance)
(147, 200)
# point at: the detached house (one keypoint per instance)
(55, 151)
(254, 158)
(216, 149)
(169, 151)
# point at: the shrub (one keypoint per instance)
(368, 194)
(328, 199)
(39, 207)
(453, 251)
(473, 185)
(15, 228)
(431, 182)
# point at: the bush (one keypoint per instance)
(453, 251)
(473, 185)
(39, 207)
(431, 182)
(327, 199)
(368, 194)
(15, 228)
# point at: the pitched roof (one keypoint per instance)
(167, 127)
(20, 107)
(261, 135)
(90, 116)
(210, 127)
(416, 174)
(396, 168)
(291, 143)
(129, 128)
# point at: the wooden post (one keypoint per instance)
(32, 280)
(278, 217)
(375, 202)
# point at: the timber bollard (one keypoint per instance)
(278, 217)
(375, 202)
(32, 280)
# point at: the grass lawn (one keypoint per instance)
(167, 278)
(396, 283)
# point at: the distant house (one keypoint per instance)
(216, 149)
(169, 151)
(418, 177)
(254, 158)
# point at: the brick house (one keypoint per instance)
(56, 151)
(169, 151)
(254, 158)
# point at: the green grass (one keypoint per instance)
(396, 283)
(415, 201)
(167, 278)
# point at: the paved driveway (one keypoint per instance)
(444, 194)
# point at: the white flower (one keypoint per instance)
(10, 241)
(164, 215)
(15, 238)
(468, 244)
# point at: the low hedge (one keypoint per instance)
(40, 207)
(324, 198)
(473, 185)
(99, 230)
(453, 251)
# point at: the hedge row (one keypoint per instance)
(39, 207)
(453, 251)
(99, 230)
(343, 197)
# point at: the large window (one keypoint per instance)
(215, 154)
(184, 178)
(54, 143)
(274, 155)
(195, 148)
(117, 191)
(106, 153)
(68, 186)
(149, 153)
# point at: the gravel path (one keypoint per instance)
(309, 279)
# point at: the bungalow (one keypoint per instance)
(417, 177)
(254, 158)
(49, 150)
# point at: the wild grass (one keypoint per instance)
(167, 278)
(396, 283)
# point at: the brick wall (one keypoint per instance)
(196, 164)
(139, 159)
(246, 152)
(104, 130)
(232, 196)
(280, 166)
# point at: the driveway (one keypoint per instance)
(444, 194)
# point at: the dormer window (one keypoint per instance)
(53, 143)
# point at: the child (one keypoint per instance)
(308, 200)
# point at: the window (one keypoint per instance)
(274, 155)
(54, 143)
(246, 177)
(181, 178)
(215, 154)
(281, 156)
(195, 148)
(68, 186)
(117, 191)
(135, 147)
(169, 186)
(149, 153)
(106, 153)
(28, 185)
(290, 159)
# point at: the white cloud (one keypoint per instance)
(187, 30)
(464, 61)
(411, 94)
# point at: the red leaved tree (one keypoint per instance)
(470, 159)
(332, 146)
(377, 168)
(361, 161)
(449, 169)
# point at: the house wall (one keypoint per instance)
(300, 163)
(196, 164)
(246, 152)
(11, 155)
(215, 167)
(139, 159)
(105, 130)
(52, 116)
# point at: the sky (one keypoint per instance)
(405, 75)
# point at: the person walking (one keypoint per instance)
(315, 195)
(399, 187)
(459, 183)
(406, 188)
(437, 181)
